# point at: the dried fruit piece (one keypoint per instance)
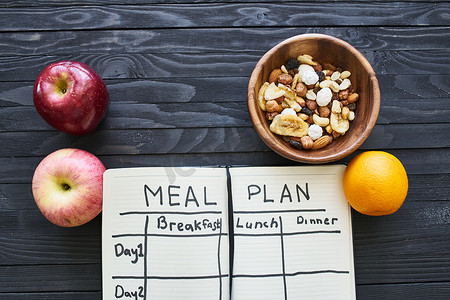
(321, 75)
(338, 123)
(261, 100)
(336, 107)
(289, 125)
(295, 144)
(292, 63)
(273, 92)
(288, 93)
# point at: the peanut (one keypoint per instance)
(353, 98)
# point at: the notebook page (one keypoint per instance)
(165, 234)
(292, 234)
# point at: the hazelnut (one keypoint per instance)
(311, 104)
(317, 67)
(285, 79)
(306, 142)
(343, 95)
(273, 106)
(301, 89)
(271, 115)
(335, 134)
(324, 111)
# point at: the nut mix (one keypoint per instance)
(309, 104)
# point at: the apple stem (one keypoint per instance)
(63, 91)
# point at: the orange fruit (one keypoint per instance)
(375, 183)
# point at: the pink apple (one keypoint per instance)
(71, 97)
(68, 187)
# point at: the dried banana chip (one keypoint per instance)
(290, 125)
(288, 93)
(261, 100)
(339, 124)
(273, 92)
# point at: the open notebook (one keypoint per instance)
(227, 233)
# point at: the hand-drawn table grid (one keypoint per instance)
(147, 235)
(282, 238)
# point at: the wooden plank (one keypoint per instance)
(94, 295)
(50, 278)
(47, 249)
(56, 3)
(227, 41)
(205, 140)
(231, 15)
(428, 290)
(136, 114)
(157, 68)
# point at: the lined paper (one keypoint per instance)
(165, 234)
(292, 234)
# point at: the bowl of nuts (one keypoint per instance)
(313, 98)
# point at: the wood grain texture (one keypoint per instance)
(40, 44)
(205, 140)
(231, 15)
(51, 278)
(426, 161)
(175, 67)
(56, 3)
(177, 72)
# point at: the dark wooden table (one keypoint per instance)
(177, 73)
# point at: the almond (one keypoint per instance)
(273, 77)
(322, 142)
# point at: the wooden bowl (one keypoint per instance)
(324, 49)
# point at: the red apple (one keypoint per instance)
(71, 97)
(68, 187)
